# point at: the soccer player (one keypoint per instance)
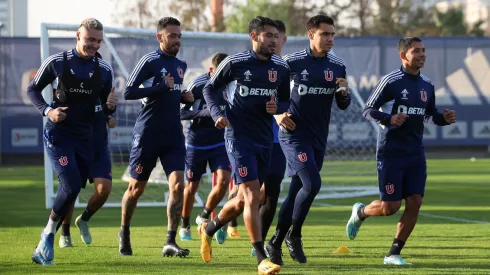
(319, 80)
(269, 191)
(157, 132)
(68, 132)
(253, 80)
(100, 169)
(205, 144)
(277, 168)
(407, 100)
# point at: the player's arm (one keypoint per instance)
(342, 95)
(434, 117)
(379, 96)
(187, 114)
(107, 95)
(142, 72)
(44, 76)
(213, 89)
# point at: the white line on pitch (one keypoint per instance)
(449, 218)
(452, 218)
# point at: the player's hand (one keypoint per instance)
(187, 97)
(343, 86)
(449, 116)
(111, 100)
(285, 121)
(169, 81)
(398, 119)
(222, 122)
(111, 122)
(271, 105)
(57, 115)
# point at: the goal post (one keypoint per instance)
(349, 167)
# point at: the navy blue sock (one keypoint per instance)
(312, 182)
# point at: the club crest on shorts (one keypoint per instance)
(63, 161)
(180, 72)
(302, 157)
(423, 95)
(138, 169)
(390, 188)
(272, 76)
(243, 171)
(328, 75)
(190, 174)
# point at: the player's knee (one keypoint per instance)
(177, 187)
(413, 203)
(104, 188)
(70, 184)
(191, 187)
(251, 195)
(136, 189)
(390, 207)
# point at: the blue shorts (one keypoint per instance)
(101, 165)
(197, 159)
(401, 177)
(278, 161)
(68, 154)
(147, 149)
(249, 161)
(299, 154)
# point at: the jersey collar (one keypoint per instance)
(252, 53)
(308, 52)
(162, 53)
(406, 73)
(77, 54)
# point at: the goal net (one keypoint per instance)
(349, 169)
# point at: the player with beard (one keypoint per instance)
(157, 132)
(253, 79)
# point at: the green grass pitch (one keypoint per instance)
(451, 237)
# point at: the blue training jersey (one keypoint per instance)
(250, 84)
(160, 112)
(401, 92)
(80, 82)
(100, 135)
(312, 95)
(202, 133)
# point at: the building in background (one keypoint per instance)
(13, 18)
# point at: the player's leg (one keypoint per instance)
(141, 163)
(272, 188)
(190, 191)
(414, 180)
(62, 155)
(195, 165)
(101, 176)
(285, 215)
(173, 162)
(219, 164)
(65, 237)
(311, 179)
(390, 176)
(233, 224)
(249, 168)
